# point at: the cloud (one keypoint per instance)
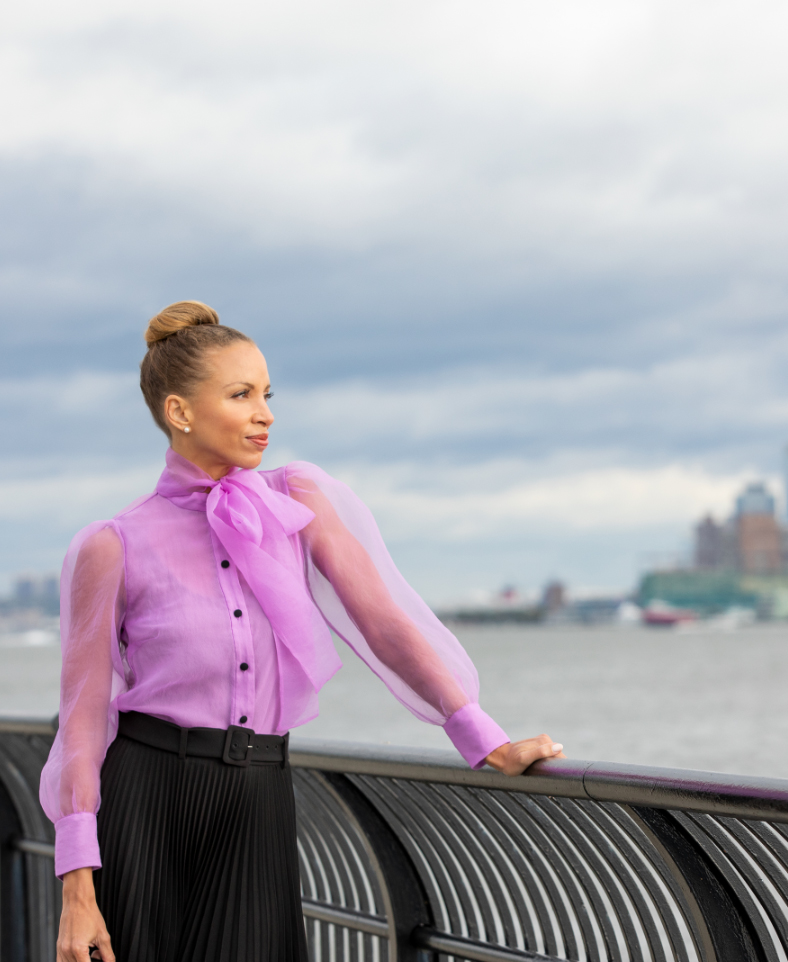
(505, 501)
(522, 139)
(526, 255)
(70, 500)
(368, 189)
(725, 411)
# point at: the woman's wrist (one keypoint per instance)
(497, 758)
(78, 885)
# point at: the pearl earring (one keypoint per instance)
(186, 430)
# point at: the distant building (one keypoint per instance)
(553, 596)
(785, 484)
(708, 545)
(50, 588)
(34, 592)
(739, 563)
(755, 499)
(25, 590)
(704, 592)
(751, 542)
(758, 533)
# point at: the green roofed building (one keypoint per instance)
(739, 563)
(712, 592)
(704, 592)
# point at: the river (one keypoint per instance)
(703, 697)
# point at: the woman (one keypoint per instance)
(195, 632)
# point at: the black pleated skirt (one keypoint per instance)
(199, 859)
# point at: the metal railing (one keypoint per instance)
(29, 892)
(409, 855)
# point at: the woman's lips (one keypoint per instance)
(259, 441)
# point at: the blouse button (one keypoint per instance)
(244, 666)
(225, 564)
(237, 612)
(242, 719)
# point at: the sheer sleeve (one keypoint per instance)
(368, 603)
(92, 601)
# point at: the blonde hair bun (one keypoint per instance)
(178, 316)
(179, 340)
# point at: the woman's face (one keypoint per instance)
(227, 414)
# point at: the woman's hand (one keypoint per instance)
(81, 924)
(514, 757)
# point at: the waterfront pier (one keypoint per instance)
(410, 855)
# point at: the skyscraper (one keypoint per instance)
(758, 535)
(708, 545)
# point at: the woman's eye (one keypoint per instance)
(269, 395)
(241, 394)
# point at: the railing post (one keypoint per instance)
(409, 906)
(400, 890)
(13, 940)
(30, 895)
(722, 915)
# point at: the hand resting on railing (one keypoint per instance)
(514, 757)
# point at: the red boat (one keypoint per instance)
(665, 616)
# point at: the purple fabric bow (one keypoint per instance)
(254, 524)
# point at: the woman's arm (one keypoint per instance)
(95, 604)
(91, 610)
(381, 614)
(389, 632)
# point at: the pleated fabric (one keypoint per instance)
(199, 859)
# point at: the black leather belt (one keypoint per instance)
(234, 745)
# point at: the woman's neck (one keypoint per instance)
(204, 460)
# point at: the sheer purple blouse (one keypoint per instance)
(210, 603)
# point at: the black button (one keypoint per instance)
(242, 719)
(244, 666)
(237, 612)
(225, 564)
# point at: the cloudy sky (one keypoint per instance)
(519, 268)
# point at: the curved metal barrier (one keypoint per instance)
(409, 855)
(579, 861)
(29, 892)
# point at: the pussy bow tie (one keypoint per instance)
(253, 524)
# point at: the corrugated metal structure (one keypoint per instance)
(409, 855)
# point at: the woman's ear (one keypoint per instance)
(177, 413)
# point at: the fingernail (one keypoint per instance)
(557, 748)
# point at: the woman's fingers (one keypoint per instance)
(83, 935)
(513, 759)
(80, 950)
(536, 748)
(103, 950)
(73, 952)
(105, 947)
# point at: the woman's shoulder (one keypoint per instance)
(98, 545)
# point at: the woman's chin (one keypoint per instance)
(249, 460)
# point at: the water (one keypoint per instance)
(701, 698)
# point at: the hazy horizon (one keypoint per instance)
(518, 270)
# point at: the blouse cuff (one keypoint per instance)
(76, 843)
(474, 734)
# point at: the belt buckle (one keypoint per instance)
(231, 743)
